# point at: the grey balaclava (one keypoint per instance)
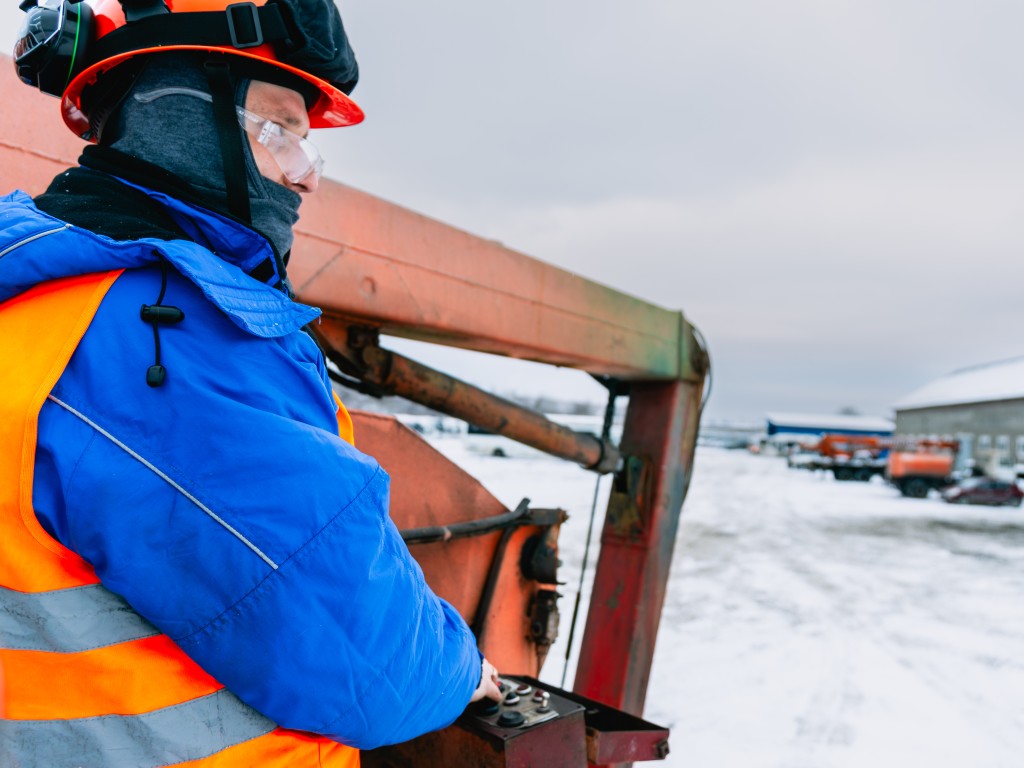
(179, 133)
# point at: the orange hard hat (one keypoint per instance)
(236, 29)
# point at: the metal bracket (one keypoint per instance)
(544, 616)
(625, 502)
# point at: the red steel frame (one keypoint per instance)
(637, 543)
(373, 264)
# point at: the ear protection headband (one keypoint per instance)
(52, 43)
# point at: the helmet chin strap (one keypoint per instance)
(218, 73)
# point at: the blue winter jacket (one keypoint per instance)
(222, 505)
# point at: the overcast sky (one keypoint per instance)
(830, 190)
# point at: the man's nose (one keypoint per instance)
(308, 185)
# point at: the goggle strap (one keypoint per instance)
(232, 153)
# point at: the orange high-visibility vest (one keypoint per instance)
(86, 680)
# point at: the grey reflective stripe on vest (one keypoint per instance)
(189, 731)
(68, 620)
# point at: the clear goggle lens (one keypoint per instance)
(295, 156)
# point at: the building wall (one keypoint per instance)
(990, 433)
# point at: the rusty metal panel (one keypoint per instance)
(614, 736)
(637, 543)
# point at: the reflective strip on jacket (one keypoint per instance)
(258, 549)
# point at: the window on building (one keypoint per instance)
(965, 452)
(1020, 448)
(984, 442)
(1003, 450)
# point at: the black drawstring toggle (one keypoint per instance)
(155, 375)
(156, 315)
(164, 315)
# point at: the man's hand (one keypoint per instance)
(488, 684)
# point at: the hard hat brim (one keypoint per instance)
(333, 109)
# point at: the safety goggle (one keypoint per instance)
(296, 156)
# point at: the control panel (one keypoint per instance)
(523, 706)
(535, 725)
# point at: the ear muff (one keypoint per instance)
(53, 43)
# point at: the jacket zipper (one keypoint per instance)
(30, 238)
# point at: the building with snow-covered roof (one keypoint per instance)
(982, 406)
(803, 425)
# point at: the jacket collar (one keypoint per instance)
(226, 238)
(36, 247)
(151, 181)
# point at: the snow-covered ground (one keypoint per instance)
(811, 623)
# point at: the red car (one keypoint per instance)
(984, 490)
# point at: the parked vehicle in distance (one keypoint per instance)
(847, 457)
(854, 457)
(915, 474)
(914, 465)
(984, 490)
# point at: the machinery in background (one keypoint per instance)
(853, 457)
(913, 465)
(917, 467)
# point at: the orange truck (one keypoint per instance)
(916, 473)
(853, 457)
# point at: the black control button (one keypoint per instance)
(486, 708)
(511, 698)
(543, 709)
(511, 719)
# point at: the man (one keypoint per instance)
(194, 566)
